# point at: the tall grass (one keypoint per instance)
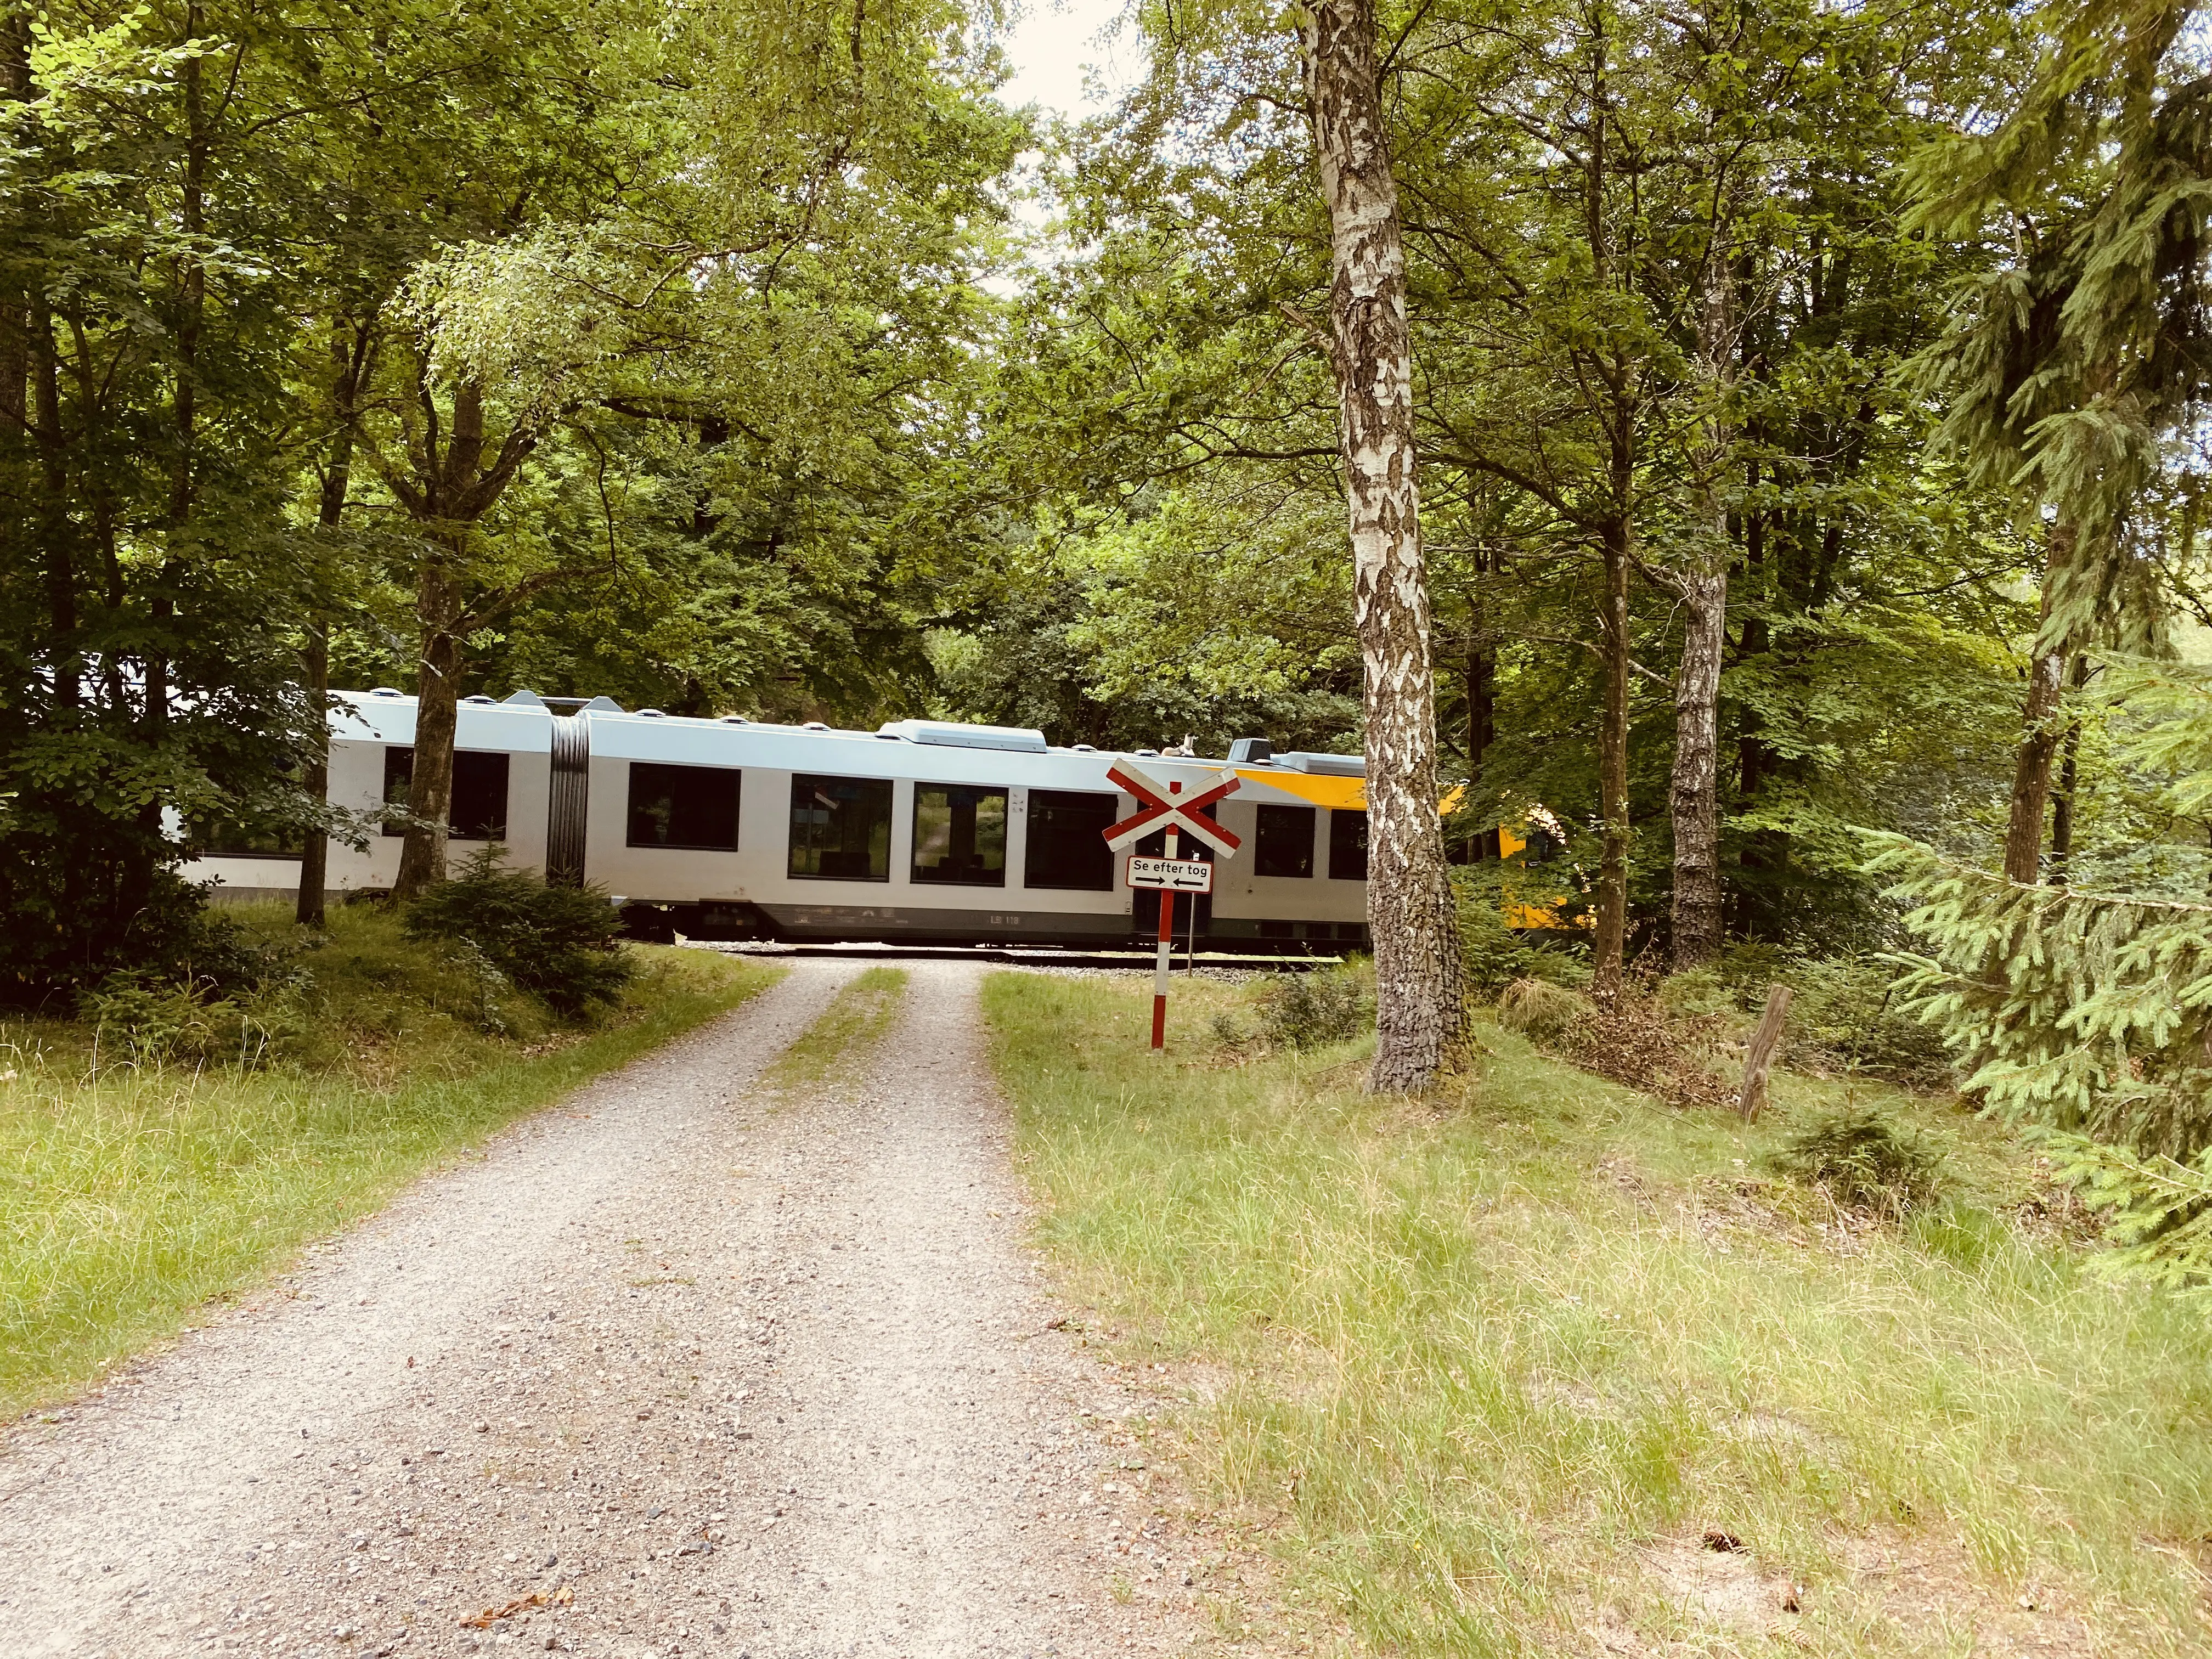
(1489, 1370)
(132, 1194)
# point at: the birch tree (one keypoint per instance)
(1420, 1014)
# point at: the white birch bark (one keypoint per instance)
(1695, 795)
(1420, 1013)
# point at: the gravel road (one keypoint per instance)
(680, 1366)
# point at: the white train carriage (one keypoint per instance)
(921, 830)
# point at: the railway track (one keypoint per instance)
(1022, 956)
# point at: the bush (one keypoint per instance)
(1312, 1009)
(1846, 1014)
(1494, 955)
(1633, 1038)
(560, 944)
(1863, 1162)
(154, 1022)
(1546, 1013)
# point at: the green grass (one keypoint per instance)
(131, 1196)
(1485, 1371)
(836, 1047)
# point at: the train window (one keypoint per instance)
(1284, 845)
(960, 834)
(221, 838)
(1347, 846)
(1068, 840)
(478, 809)
(694, 807)
(840, 828)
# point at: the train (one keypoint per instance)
(923, 831)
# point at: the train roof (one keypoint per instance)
(950, 751)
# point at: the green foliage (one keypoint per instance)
(1863, 1160)
(2158, 1209)
(560, 944)
(2071, 1010)
(2076, 358)
(1494, 955)
(1314, 1008)
(1846, 1012)
(157, 1023)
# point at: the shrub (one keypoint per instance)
(1546, 1013)
(1494, 955)
(2157, 1209)
(1846, 1015)
(154, 1022)
(560, 944)
(1633, 1038)
(1863, 1162)
(1312, 1009)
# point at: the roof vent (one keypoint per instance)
(1148, 754)
(1086, 747)
(652, 715)
(735, 720)
(528, 699)
(386, 692)
(478, 698)
(1251, 751)
(1324, 766)
(816, 726)
(953, 734)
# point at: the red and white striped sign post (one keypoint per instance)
(1161, 806)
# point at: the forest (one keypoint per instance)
(1807, 399)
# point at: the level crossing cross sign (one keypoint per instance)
(1161, 806)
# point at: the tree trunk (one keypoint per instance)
(16, 303)
(1420, 1004)
(1695, 789)
(315, 782)
(349, 362)
(55, 531)
(1694, 801)
(1611, 944)
(191, 306)
(2039, 733)
(2062, 806)
(437, 712)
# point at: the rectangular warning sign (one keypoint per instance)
(1177, 875)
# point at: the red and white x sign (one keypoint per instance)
(1161, 804)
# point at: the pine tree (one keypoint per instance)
(2086, 1016)
(2073, 359)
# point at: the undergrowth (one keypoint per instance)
(1486, 1370)
(143, 1173)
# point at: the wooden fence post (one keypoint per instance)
(1759, 1060)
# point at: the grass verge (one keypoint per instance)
(1541, 1367)
(130, 1196)
(836, 1047)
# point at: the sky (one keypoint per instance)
(1050, 48)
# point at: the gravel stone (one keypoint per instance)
(675, 1367)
